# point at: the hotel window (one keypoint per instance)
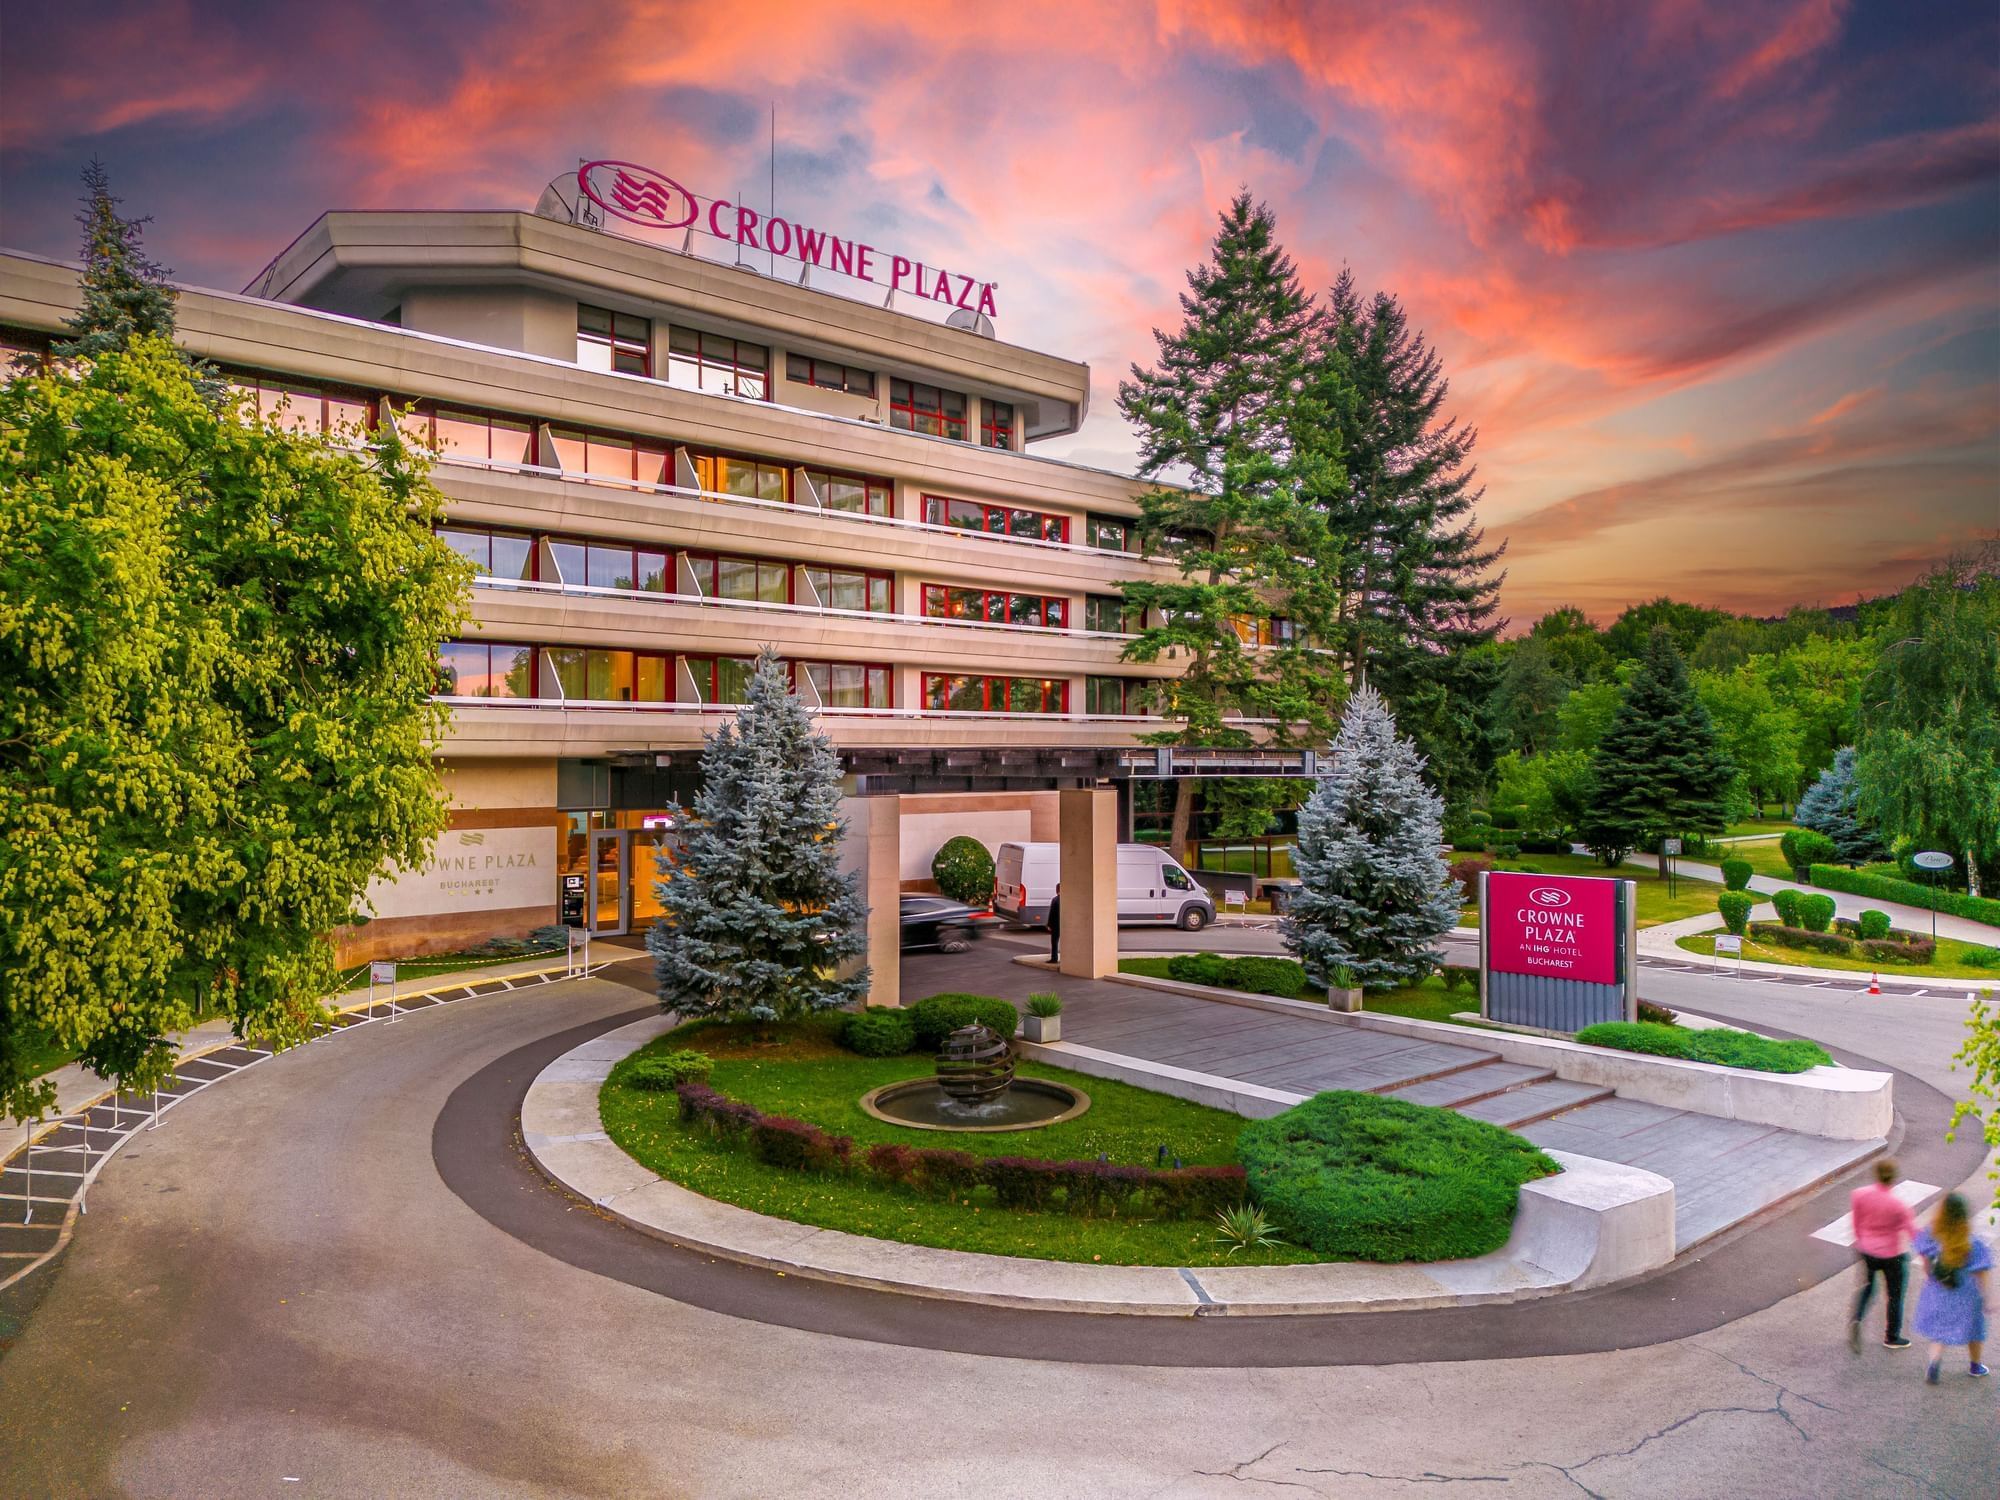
(942, 602)
(804, 370)
(605, 457)
(741, 476)
(463, 434)
(1011, 695)
(611, 676)
(841, 684)
(925, 408)
(996, 520)
(1110, 614)
(718, 364)
(1114, 695)
(485, 669)
(611, 565)
(720, 679)
(1263, 630)
(300, 407)
(850, 492)
(996, 424)
(607, 340)
(756, 580)
(844, 588)
(1111, 534)
(496, 554)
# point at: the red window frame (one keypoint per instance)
(714, 561)
(814, 368)
(871, 575)
(988, 685)
(996, 605)
(1129, 688)
(534, 668)
(995, 434)
(934, 421)
(998, 519)
(873, 489)
(868, 668)
(708, 354)
(631, 347)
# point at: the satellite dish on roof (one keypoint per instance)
(972, 321)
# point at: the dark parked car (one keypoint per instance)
(948, 926)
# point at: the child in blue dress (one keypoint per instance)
(1951, 1307)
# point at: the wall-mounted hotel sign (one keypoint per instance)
(472, 870)
(652, 200)
(1556, 952)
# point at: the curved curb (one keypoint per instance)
(1595, 1223)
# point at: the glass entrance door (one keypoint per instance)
(609, 894)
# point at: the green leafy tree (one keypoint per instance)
(1927, 759)
(218, 646)
(756, 917)
(1552, 791)
(1759, 734)
(1981, 1054)
(1659, 769)
(1229, 406)
(1527, 705)
(1575, 646)
(1631, 633)
(1819, 681)
(1587, 713)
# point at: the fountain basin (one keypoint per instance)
(921, 1104)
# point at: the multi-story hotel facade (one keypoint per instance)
(661, 463)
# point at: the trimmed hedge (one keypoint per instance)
(963, 870)
(1282, 977)
(1981, 958)
(1735, 909)
(1787, 902)
(1543, 843)
(1736, 874)
(1805, 847)
(1913, 950)
(1360, 1177)
(668, 1071)
(1873, 925)
(1798, 937)
(879, 1031)
(1816, 912)
(1085, 1188)
(1909, 892)
(1729, 1049)
(941, 1015)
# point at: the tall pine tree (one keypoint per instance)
(1659, 769)
(757, 918)
(1229, 409)
(1375, 892)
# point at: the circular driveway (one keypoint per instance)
(280, 1292)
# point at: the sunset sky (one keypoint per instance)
(1719, 283)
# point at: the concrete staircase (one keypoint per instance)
(1500, 1093)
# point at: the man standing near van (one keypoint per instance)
(1055, 926)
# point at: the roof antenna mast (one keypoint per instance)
(774, 186)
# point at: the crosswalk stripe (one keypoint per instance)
(1841, 1230)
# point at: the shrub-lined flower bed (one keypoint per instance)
(1951, 959)
(1730, 1049)
(1905, 948)
(1360, 1177)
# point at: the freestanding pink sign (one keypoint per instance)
(1554, 926)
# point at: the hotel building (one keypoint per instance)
(661, 462)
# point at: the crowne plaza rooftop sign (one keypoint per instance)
(652, 200)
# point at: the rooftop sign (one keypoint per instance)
(652, 200)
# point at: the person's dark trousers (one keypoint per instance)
(1055, 933)
(1894, 1271)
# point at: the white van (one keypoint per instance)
(1151, 887)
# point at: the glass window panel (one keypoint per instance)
(461, 433)
(571, 672)
(609, 458)
(513, 442)
(513, 556)
(849, 591)
(829, 377)
(878, 687)
(965, 513)
(996, 520)
(569, 561)
(701, 571)
(462, 669)
(1055, 529)
(611, 676)
(733, 675)
(1025, 523)
(626, 326)
(349, 412)
(1024, 609)
(798, 368)
(899, 391)
(770, 483)
(513, 672)
(735, 579)
(592, 319)
(846, 687)
(879, 600)
(651, 680)
(650, 465)
(653, 571)
(773, 584)
(571, 451)
(609, 567)
(476, 547)
(968, 693)
(683, 340)
(845, 494)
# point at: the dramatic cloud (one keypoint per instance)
(1714, 278)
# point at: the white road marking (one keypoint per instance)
(1841, 1230)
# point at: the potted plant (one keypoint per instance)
(1043, 1023)
(1345, 991)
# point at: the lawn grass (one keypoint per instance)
(1950, 962)
(1773, 826)
(42, 1053)
(804, 1073)
(1691, 898)
(1719, 1044)
(433, 964)
(1764, 857)
(1429, 1001)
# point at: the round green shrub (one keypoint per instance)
(1736, 874)
(666, 1071)
(879, 1031)
(1874, 925)
(1803, 848)
(1360, 1177)
(1507, 817)
(1479, 815)
(1787, 903)
(1201, 968)
(941, 1015)
(1982, 958)
(1269, 976)
(1816, 912)
(963, 870)
(1735, 909)
(1509, 851)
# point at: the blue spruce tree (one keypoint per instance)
(1828, 807)
(756, 918)
(1377, 894)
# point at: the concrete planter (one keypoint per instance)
(1042, 1028)
(1339, 999)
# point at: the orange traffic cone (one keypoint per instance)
(1874, 984)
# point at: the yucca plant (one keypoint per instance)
(1245, 1227)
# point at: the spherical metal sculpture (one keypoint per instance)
(975, 1064)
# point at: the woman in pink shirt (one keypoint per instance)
(1883, 1229)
